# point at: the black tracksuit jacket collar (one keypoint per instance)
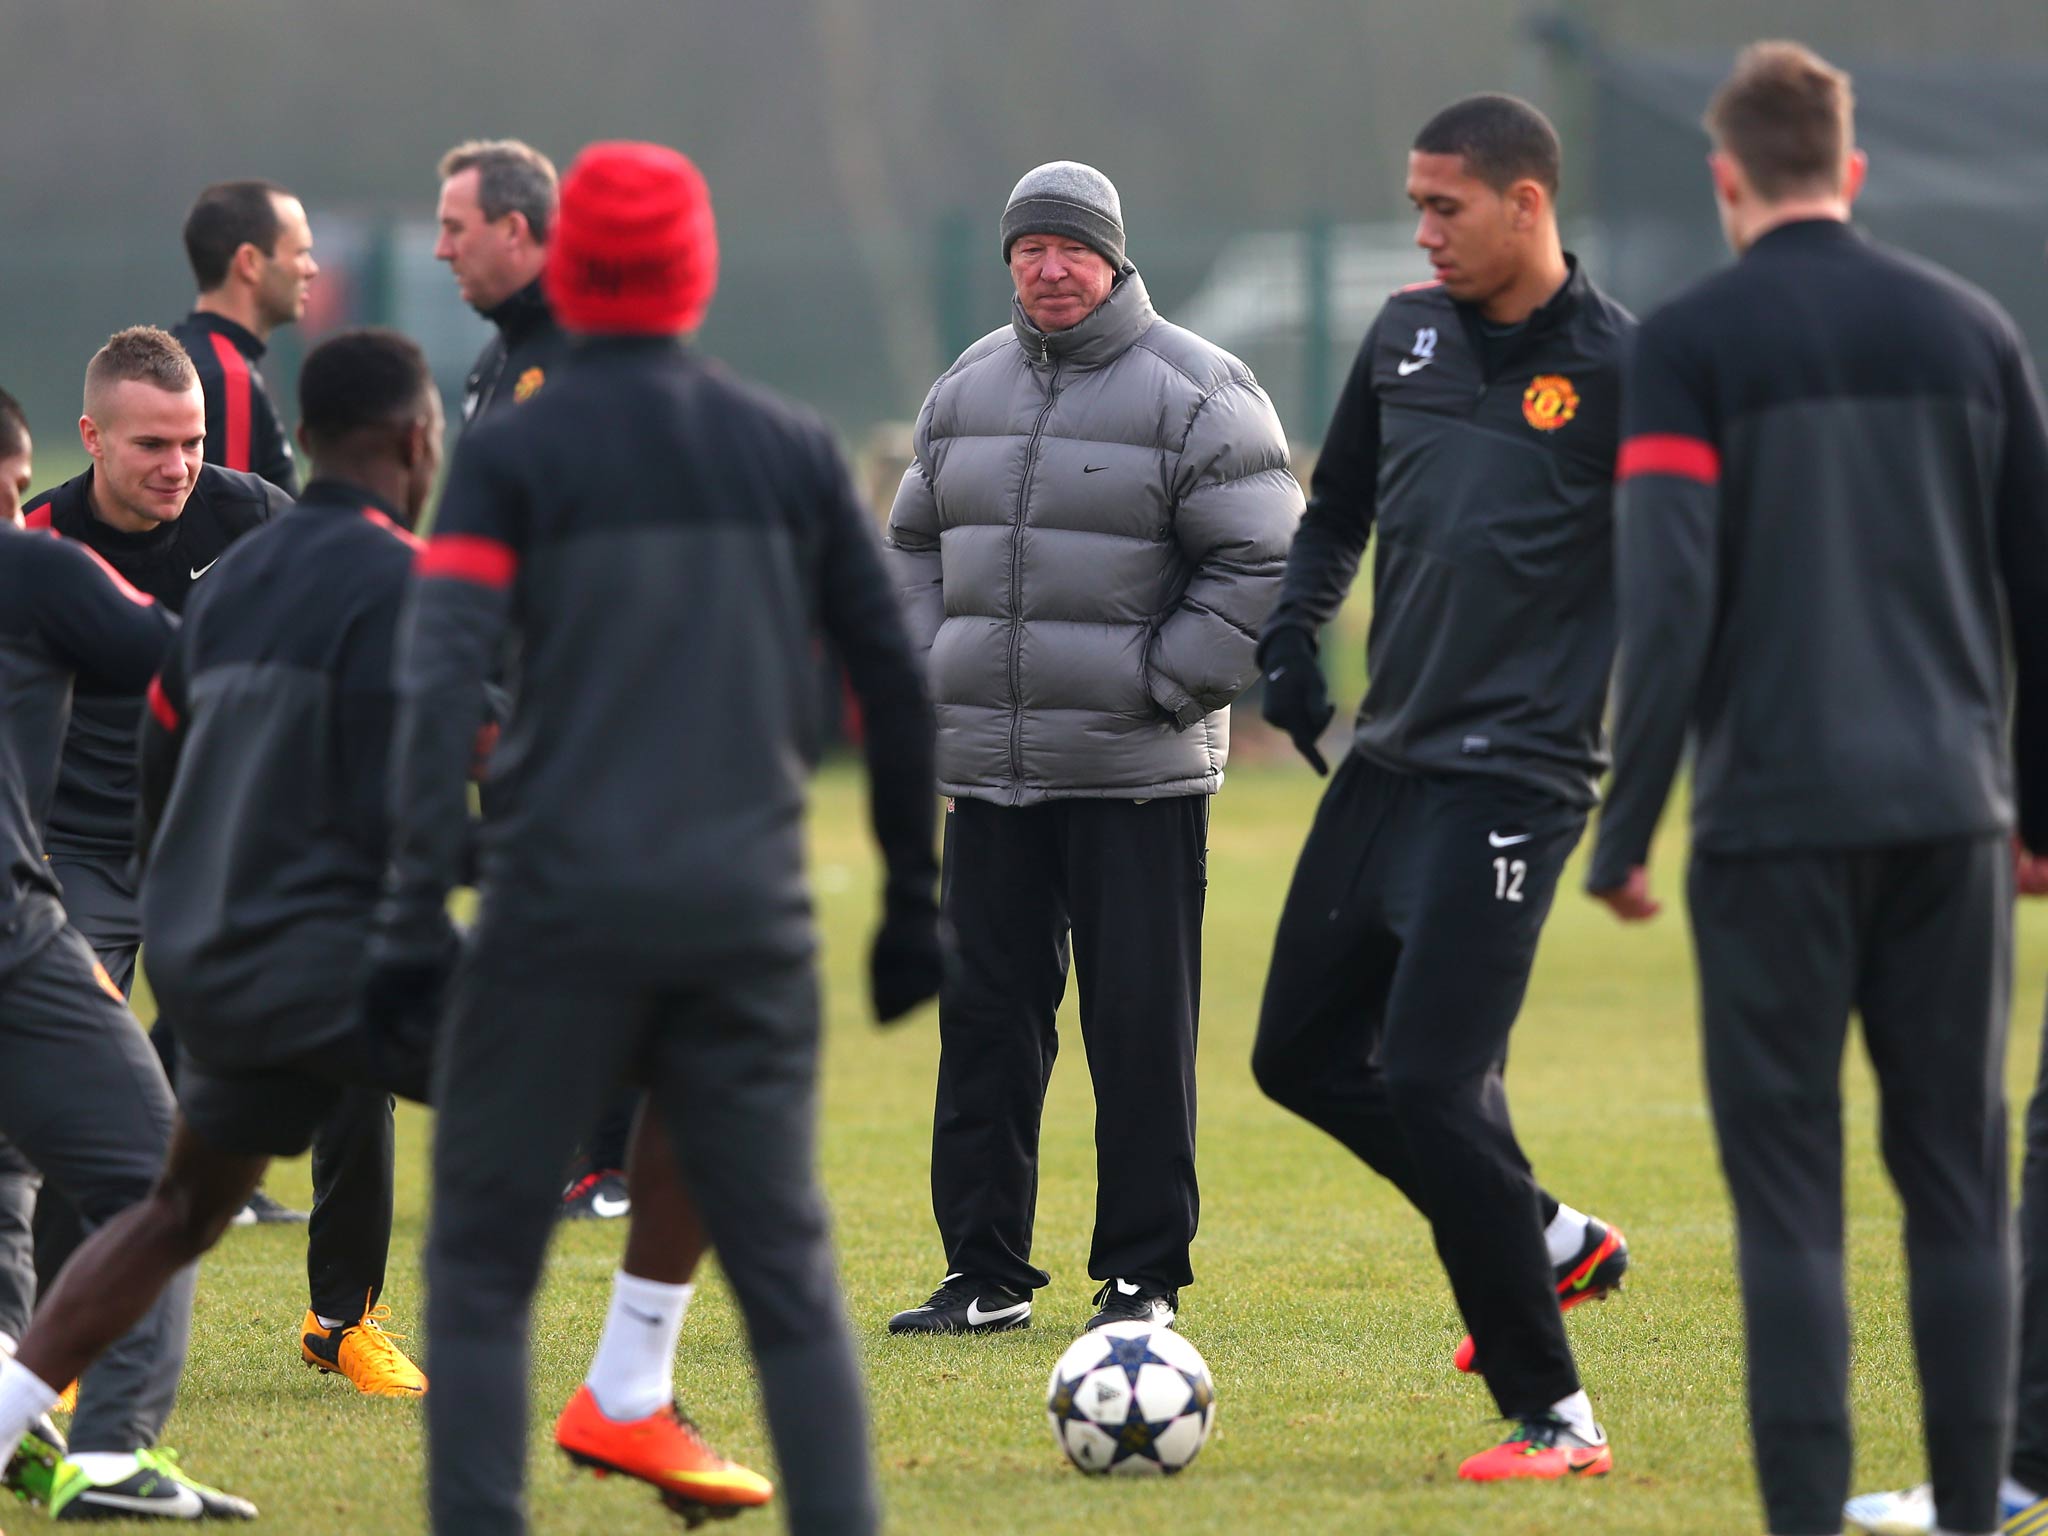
(72, 514)
(246, 341)
(332, 493)
(588, 348)
(521, 315)
(1554, 313)
(1802, 232)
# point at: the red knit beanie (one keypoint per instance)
(634, 248)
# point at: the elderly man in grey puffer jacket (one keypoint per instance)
(1093, 529)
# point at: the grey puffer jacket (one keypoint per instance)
(1092, 531)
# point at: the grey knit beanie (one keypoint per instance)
(1065, 197)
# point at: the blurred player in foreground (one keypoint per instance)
(1833, 523)
(2023, 1494)
(644, 911)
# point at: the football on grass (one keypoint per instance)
(1132, 1399)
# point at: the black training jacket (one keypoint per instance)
(666, 545)
(264, 781)
(515, 364)
(242, 429)
(1834, 487)
(64, 616)
(1492, 487)
(93, 815)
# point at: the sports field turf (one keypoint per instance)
(1319, 1306)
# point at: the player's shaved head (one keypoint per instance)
(370, 414)
(145, 427)
(1502, 140)
(142, 354)
(360, 381)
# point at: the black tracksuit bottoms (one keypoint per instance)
(83, 1100)
(348, 1239)
(1123, 881)
(525, 1063)
(1917, 939)
(2030, 1425)
(1403, 954)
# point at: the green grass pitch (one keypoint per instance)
(1319, 1304)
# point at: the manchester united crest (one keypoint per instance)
(530, 382)
(1549, 402)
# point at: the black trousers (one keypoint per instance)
(522, 1071)
(1403, 954)
(19, 1182)
(1123, 881)
(348, 1240)
(83, 1100)
(1918, 940)
(604, 1150)
(2030, 1425)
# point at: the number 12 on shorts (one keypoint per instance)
(1508, 875)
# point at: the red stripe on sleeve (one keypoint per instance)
(1668, 453)
(140, 599)
(160, 704)
(402, 534)
(237, 391)
(38, 517)
(466, 557)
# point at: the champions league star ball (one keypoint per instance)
(1131, 1398)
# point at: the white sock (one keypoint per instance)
(329, 1323)
(1566, 1234)
(2013, 1491)
(23, 1396)
(1577, 1411)
(104, 1467)
(633, 1372)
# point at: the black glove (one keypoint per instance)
(404, 994)
(1295, 700)
(912, 953)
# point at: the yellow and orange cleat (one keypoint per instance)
(665, 1451)
(1540, 1447)
(362, 1353)
(67, 1400)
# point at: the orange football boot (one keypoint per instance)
(1540, 1447)
(362, 1353)
(665, 1451)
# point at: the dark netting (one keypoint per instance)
(1958, 172)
